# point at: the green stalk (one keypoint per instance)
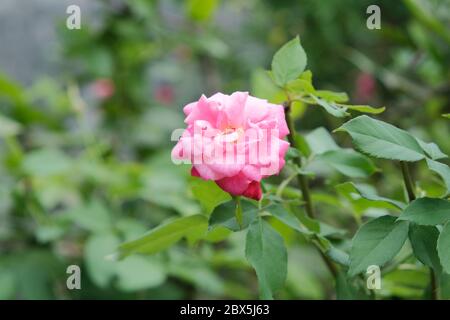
(409, 184)
(304, 185)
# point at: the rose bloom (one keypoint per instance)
(235, 140)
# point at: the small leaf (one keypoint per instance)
(331, 96)
(424, 242)
(288, 62)
(287, 218)
(427, 211)
(382, 140)
(443, 248)
(225, 215)
(349, 163)
(432, 150)
(363, 108)
(267, 254)
(331, 107)
(165, 235)
(377, 242)
(443, 171)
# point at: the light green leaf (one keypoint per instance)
(427, 211)
(321, 141)
(424, 242)
(165, 235)
(45, 162)
(300, 86)
(267, 254)
(443, 171)
(201, 10)
(432, 150)
(92, 216)
(288, 62)
(382, 140)
(331, 107)
(443, 247)
(363, 108)
(447, 115)
(139, 273)
(9, 127)
(208, 194)
(100, 269)
(377, 242)
(349, 163)
(331, 96)
(370, 195)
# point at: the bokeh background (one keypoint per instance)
(86, 117)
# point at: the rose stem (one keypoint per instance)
(411, 197)
(303, 183)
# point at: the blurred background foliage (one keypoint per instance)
(85, 151)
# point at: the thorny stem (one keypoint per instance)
(303, 183)
(409, 184)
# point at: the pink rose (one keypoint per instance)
(235, 140)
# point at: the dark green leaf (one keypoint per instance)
(443, 247)
(427, 211)
(225, 215)
(382, 140)
(424, 242)
(267, 254)
(377, 242)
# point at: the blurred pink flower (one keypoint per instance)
(365, 87)
(235, 140)
(164, 93)
(103, 88)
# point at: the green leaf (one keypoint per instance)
(363, 108)
(201, 10)
(267, 254)
(46, 162)
(100, 269)
(447, 115)
(443, 171)
(432, 150)
(300, 86)
(92, 216)
(287, 218)
(208, 194)
(331, 107)
(424, 242)
(443, 247)
(331, 96)
(377, 242)
(427, 211)
(382, 140)
(139, 273)
(288, 62)
(225, 215)
(9, 127)
(165, 235)
(370, 195)
(349, 163)
(322, 141)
